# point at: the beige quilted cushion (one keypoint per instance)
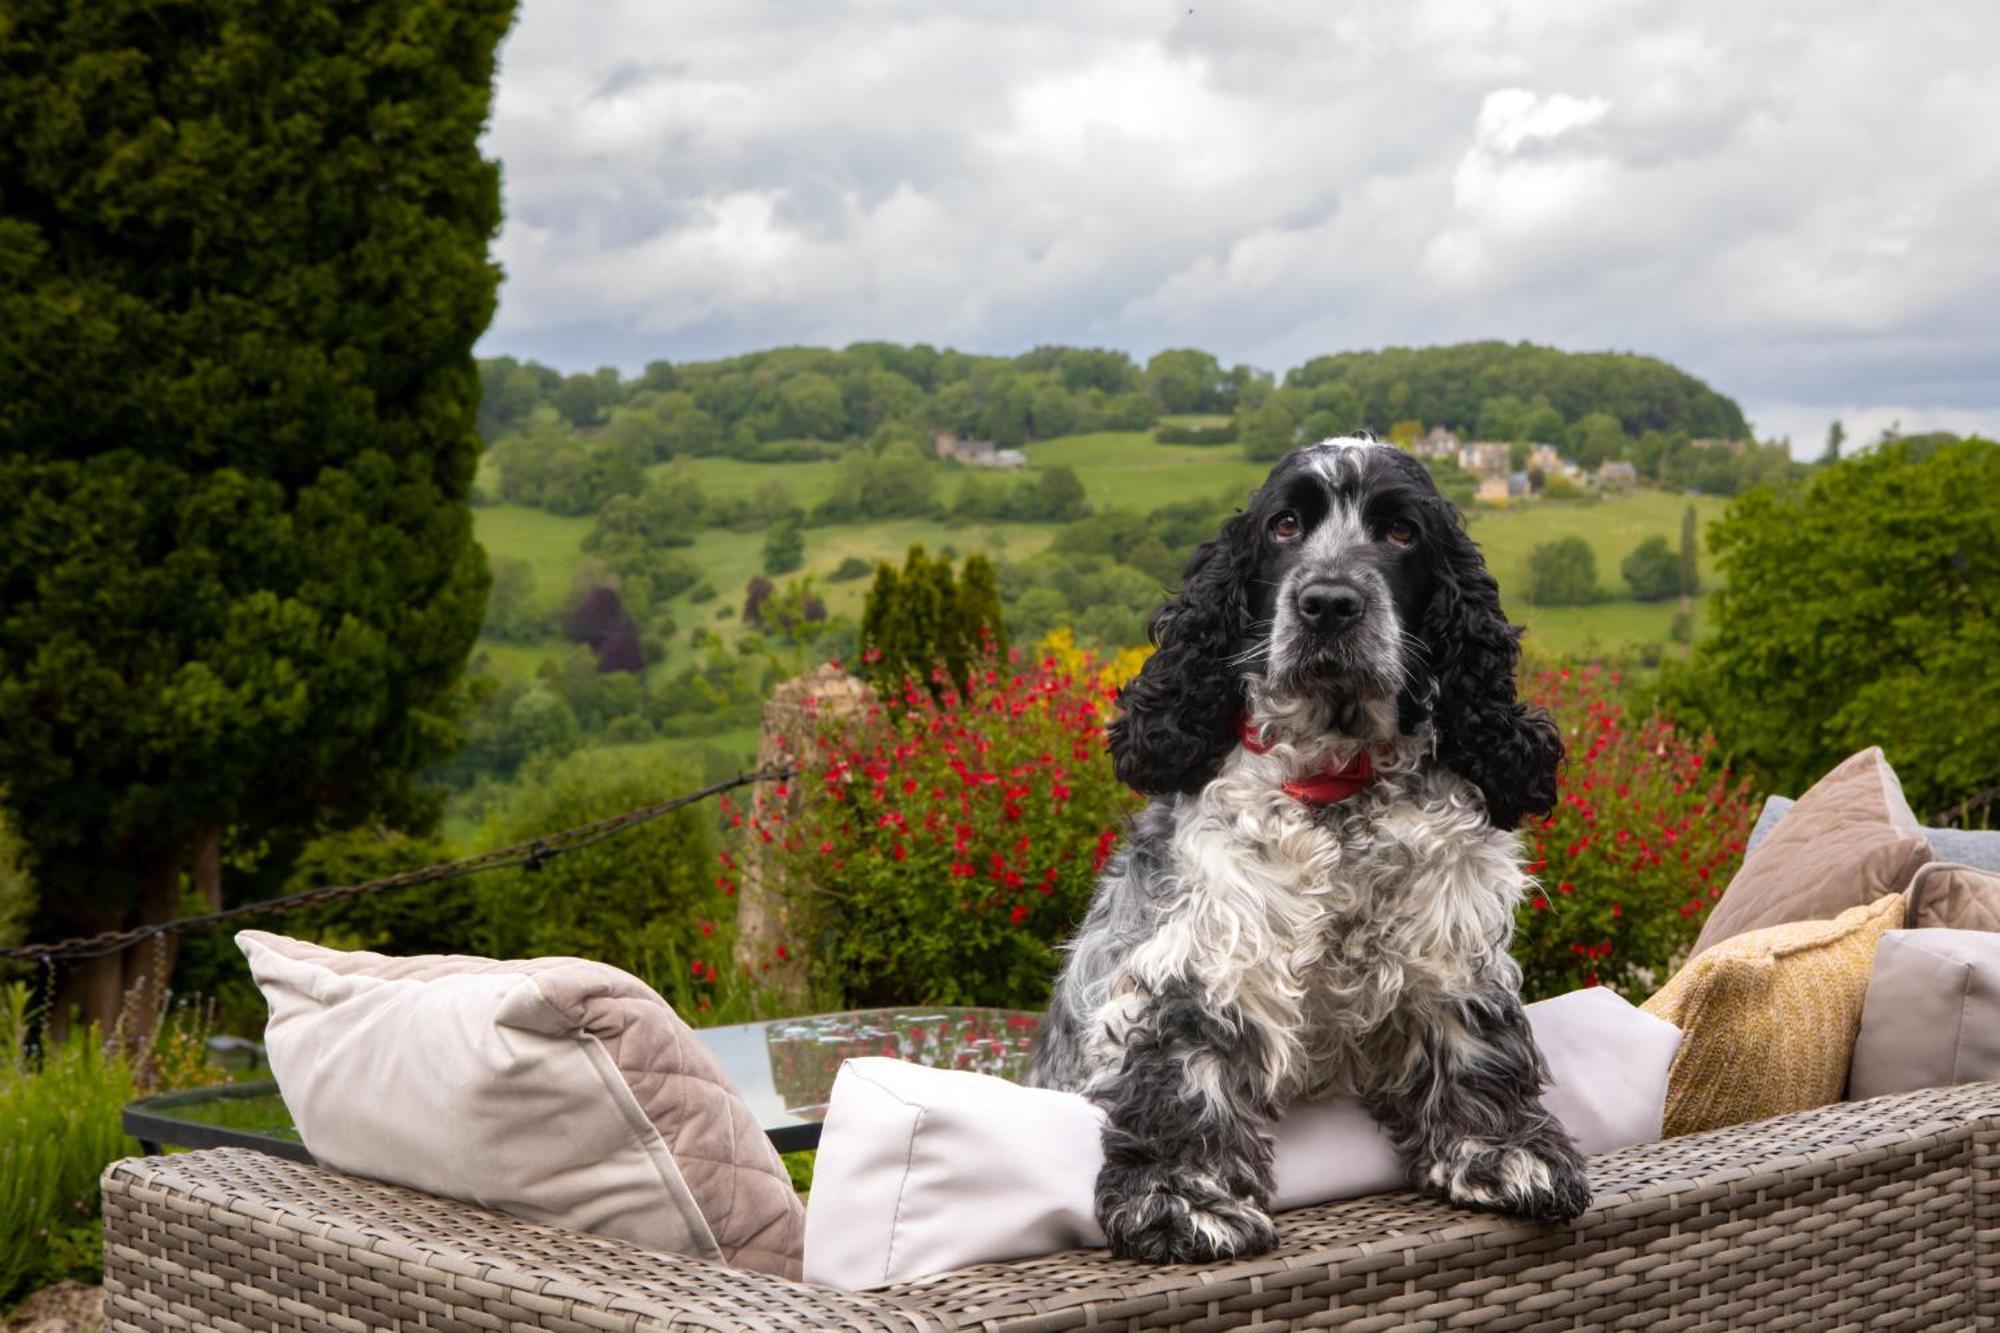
(1768, 1018)
(1848, 841)
(558, 1089)
(1948, 896)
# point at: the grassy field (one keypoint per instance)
(1125, 470)
(551, 543)
(1130, 470)
(1612, 526)
(734, 479)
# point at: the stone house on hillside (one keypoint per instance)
(975, 453)
(1437, 442)
(1617, 473)
(1485, 458)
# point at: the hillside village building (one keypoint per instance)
(975, 453)
(1485, 458)
(1437, 442)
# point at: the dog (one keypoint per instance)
(1319, 896)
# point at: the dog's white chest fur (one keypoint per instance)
(1339, 935)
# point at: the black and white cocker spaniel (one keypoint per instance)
(1320, 895)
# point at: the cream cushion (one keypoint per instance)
(925, 1170)
(1932, 1016)
(554, 1089)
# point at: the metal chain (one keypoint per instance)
(532, 855)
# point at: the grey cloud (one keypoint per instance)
(1795, 200)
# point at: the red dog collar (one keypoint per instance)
(1322, 788)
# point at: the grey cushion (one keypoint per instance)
(1967, 847)
(1932, 1016)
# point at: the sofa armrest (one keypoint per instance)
(1857, 1213)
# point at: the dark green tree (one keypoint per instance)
(1187, 380)
(581, 400)
(1562, 573)
(1268, 432)
(1859, 608)
(920, 617)
(243, 262)
(1836, 435)
(1653, 570)
(1059, 496)
(979, 614)
(785, 547)
(1690, 565)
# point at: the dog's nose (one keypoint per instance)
(1328, 606)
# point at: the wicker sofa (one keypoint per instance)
(1874, 1214)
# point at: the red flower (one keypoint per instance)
(1018, 915)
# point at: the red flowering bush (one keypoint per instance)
(1645, 834)
(950, 842)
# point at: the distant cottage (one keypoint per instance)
(1485, 459)
(1437, 442)
(1618, 473)
(975, 453)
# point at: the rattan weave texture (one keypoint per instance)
(1881, 1214)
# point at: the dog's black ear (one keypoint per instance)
(1486, 735)
(1184, 709)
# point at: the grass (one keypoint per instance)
(59, 1105)
(1583, 631)
(733, 478)
(1612, 527)
(1121, 469)
(1131, 470)
(552, 543)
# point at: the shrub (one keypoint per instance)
(922, 615)
(1653, 570)
(953, 841)
(59, 1109)
(1647, 831)
(849, 569)
(784, 548)
(643, 901)
(1562, 573)
(60, 1098)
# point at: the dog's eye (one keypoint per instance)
(1399, 533)
(1286, 526)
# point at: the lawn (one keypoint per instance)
(1130, 470)
(1612, 526)
(733, 478)
(552, 543)
(1582, 631)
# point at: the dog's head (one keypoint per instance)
(1348, 584)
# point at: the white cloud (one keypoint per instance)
(1794, 200)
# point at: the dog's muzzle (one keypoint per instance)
(1327, 606)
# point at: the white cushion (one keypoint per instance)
(924, 1170)
(555, 1089)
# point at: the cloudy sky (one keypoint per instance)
(1798, 200)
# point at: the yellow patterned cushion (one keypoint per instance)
(1769, 1018)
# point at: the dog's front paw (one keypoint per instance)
(1542, 1181)
(1162, 1216)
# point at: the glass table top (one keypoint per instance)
(783, 1069)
